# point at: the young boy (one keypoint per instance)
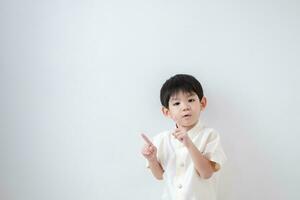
(187, 157)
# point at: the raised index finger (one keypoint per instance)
(147, 140)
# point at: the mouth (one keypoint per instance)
(186, 116)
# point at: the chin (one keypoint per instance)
(188, 124)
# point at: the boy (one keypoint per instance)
(187, 157)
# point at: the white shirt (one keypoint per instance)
(181, 179)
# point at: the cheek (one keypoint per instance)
(173, 115)
(176, 118)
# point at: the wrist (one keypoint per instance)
(189, 143)
(152, 160)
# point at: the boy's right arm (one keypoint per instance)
(156, 169)
(149, 152)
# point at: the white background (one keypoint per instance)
(80, 81)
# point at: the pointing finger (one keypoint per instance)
(180, 127)
(146, 139)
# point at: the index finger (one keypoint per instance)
(179, 127)
(147, 140)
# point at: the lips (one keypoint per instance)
(187, 115)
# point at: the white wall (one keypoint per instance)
(80, 80)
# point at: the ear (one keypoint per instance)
(165, 111)
(203, 103)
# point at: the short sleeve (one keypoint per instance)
(157, 141)
(213, 149)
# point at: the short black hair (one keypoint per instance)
(177, 83)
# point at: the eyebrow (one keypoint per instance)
(175, 98)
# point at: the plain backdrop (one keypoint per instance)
(80, 81)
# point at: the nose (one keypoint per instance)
(185, 106)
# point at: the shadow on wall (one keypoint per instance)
(246, 173)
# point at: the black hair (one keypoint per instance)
(177, 83)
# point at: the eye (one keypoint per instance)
(191, 100)
(176, 104)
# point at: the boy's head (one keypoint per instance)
(182, 99)
(179, 83)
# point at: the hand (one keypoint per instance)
(149, 150)
(181, 135)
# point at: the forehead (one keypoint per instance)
(181, 94)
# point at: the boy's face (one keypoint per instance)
(184, 109)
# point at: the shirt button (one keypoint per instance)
(182, 165)
(179, 186)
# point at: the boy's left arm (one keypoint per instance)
(204, 167)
